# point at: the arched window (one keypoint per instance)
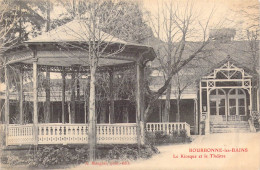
(237, 102)
(217, 102)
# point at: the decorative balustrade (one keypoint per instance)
(121, 133)
(220, 118)
(57, 133)
(168, 127)
(62, 133)
(20, 134)
(236, 118)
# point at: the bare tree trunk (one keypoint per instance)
(178, 116)
(169, 66)
(111, 98)
(125, 114)
(258, 109)
(93, 58)
(20, 23)
(77, 113)
(72, 98)
(258, 79)
(63, 96)
(167, 104)
(7, 101)
(48, 24)
(47, 111)
(74, 7)
(103, 111)
(86, 101)
(21, 97)
(139, 105)
(92, 116)
(85, 107)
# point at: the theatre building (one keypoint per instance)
(219, 90)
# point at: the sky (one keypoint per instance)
(223, 7)
(226, 12)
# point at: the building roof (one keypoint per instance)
(68, 44)
(214, 55)
(74, 31)
(214, 52)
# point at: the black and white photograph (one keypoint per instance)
(130, 84)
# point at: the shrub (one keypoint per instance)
(183, 133)
(2, 136)
(160, 137)
(50, 156)
(131, 152)
(148, 151)
(175, 134)
(150, 138)
(57, 155)
(14, 160)
(124, 153)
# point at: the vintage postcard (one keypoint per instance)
(130, 84)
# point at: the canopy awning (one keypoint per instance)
(75, 31)
(67, 45)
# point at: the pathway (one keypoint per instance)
(245, 155)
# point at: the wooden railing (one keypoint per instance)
(121, 133)
(20, 134)
(220, 118)
(168, 127)
(62, 133)
(57, 133)
(236, 118)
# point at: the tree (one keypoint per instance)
(47, 108)
(16, 17)
(98, 21)
(7, 23)
(250, 21)
(182, 80)
(29, 15)
(179, 23)
(135, 30)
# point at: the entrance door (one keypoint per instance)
(237, 105)
(217, 104)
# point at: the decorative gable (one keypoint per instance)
(228, 71)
